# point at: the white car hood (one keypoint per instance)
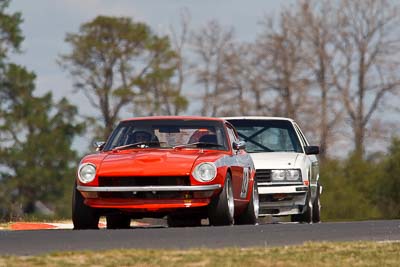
(275, 160)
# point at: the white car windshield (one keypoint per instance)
(267, 135)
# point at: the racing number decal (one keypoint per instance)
(245, 183)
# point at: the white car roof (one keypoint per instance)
(257, 118)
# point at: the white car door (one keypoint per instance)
(312, 163)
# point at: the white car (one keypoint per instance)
(287, 170)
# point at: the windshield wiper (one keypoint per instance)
(198, 144)
(138, 144)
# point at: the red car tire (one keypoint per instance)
(83, 217)
(221, 208)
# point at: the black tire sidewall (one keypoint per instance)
(307, 216)
(249, 216)
(317, 206)
(83, 216)
(219, 207)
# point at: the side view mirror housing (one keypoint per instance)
(98, 145)
(311, 150)
(239, 145)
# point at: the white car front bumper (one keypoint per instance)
(280, 200)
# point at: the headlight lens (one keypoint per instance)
(285, 175)
(278, 175)
(86, 173)
(205, 172)
(293, 175)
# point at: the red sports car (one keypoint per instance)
(184, 168)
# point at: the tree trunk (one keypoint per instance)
(323, 125)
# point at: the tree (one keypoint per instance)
(36, 159)
(349, 189)
(283, 59)
(111, 62)
(316, 22)
(335, 59)
(368, 68)
(158, 94)
(10, 32)
(388, 186)
(179, 41)
(210, 46)
(245, 82)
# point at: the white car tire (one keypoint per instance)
(317, 206)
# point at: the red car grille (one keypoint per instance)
(145, 195)
(143, 180)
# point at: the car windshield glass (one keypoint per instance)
(168, 134)
(268, 135)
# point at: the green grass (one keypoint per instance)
(309, 254)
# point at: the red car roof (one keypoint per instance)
(174, 118)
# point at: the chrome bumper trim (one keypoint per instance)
(147, 188)
(299, 189)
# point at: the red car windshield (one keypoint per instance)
(168, 134)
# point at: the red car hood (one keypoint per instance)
(148, 163)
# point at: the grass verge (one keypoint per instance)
(309, 254)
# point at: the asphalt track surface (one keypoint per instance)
(273, 234)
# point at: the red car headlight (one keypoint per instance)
(86, 173)
(205, 172)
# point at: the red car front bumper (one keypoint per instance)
(149, 198)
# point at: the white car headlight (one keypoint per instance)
(205, 172)
(278, 175)
(285, 175)
(293, 175)
(86, 173)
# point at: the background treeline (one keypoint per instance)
(331, 65)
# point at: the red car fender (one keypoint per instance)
(96, 160)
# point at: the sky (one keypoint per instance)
(46, 23)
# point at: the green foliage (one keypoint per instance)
(356, 189)
(349, 189)
(106, 58)
(388, 188)
(36, 159)
(10, 32)
(115, 60)
(158, 94)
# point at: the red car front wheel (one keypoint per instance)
(222, 207)
(83, 217)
